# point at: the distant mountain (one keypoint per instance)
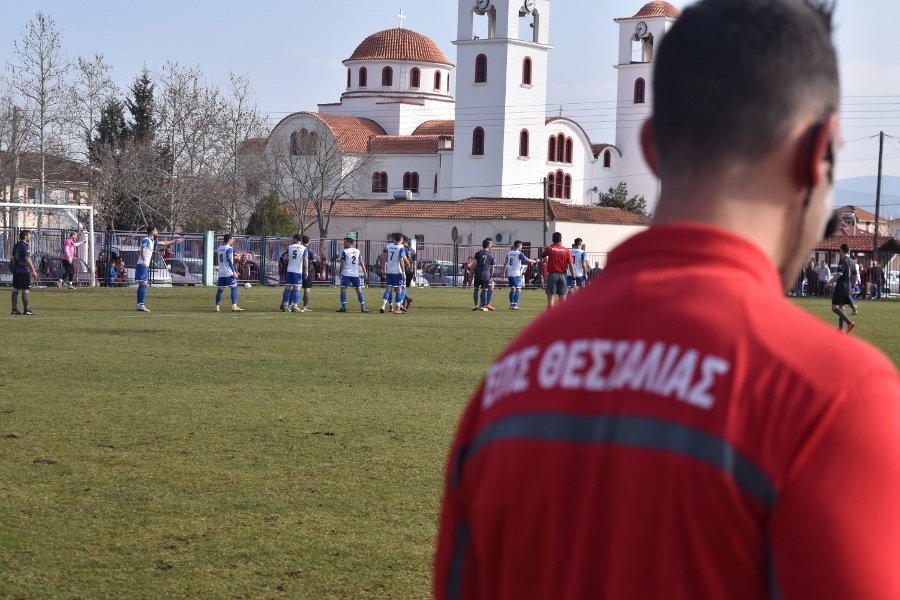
(860, 191)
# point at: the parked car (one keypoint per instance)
(159, 270)
(5, 274)
(443, 272)
(185, 271)
(892, 282)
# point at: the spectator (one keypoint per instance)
(823, 274)
(100, 266)
(468, 271)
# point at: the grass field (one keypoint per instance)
(188, 454)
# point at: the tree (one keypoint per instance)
(90, 95)
(270, 218)
(142, 106)
(39, 75)
(618, 198)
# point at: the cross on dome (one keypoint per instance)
(401, 16)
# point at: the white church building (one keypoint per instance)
(493, 140)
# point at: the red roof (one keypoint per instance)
(861, 214)
(402, 45)
(657, 8)
(56, 168)
(436, 127)
(404, 144)
(597, 149)
(252, 146)
(352, 133)
(524, 209)
(859, 243)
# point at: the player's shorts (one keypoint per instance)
(21, 281)
(291, 278)
(68, 267)
(556, 284)
(350, 281)
(395, 280)
(229, 281)
(141, 273)
(483, 283)
(515, 282)
(307, 281)
(575, 281)
(840, 296)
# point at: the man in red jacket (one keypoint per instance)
(673, 434)
(558, 262)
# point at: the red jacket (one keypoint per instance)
(685, 433)
(558, 258)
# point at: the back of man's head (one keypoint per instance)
(845, 249)
(304, 240)
(732, 77)
(557, 237)
(397, 237)
(486, 243)
(298, 238)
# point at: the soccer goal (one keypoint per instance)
(64, 208)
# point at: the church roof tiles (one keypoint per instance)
(657, 8)
(404, 144)
(402, 45)
(352, 133)
(435, 127)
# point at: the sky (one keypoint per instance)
(292, 52)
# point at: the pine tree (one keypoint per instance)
(270, 218)
(618, 198)
(141, 105)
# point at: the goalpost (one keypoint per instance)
(66, 208)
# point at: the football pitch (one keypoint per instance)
(189, 454)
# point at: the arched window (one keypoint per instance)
(387, 77)
(379, 182)
(560, 148)
(363, 77)
(526, 71)
(559, 184)
(551, 185)
(478, 142)
(411, 182)
(480, 68)
(639, 88)
(414, 77)
(569, 150)
(551, 149)
(448, 83)
(437, 80)
(304, 142)
(607, 159)
(523, 143)
(567, 187)
(349, 77)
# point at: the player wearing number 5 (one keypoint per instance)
(352, 269)
(297, 265)
(227, 272)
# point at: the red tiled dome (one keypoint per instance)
(657, 8)
(399, 44)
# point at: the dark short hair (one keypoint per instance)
(23, 234)
(731, 77)
(298, 237)
(227, 238)
(486, 242)
(517, 243)
(557, 237)
(150, 229)
(349, 239)
(305, 239)
(397, 237)
(845, 248)
(577, 241)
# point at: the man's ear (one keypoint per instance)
(815, 153)
(648, 146)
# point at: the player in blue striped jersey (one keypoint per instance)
(515, 267)
(394, 263)
(297, 256)
(352, 271)
(227, 273)
(580, 266)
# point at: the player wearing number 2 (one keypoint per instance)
(227, 272)
(298, 264)
(351, 269)
(515, 261)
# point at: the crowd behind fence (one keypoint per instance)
(257, 259)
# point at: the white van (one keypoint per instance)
(159, 270)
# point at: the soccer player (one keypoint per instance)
(23, 270)
(687, 431)
(841, 294)
(558, 262)
(514, 268)
(227, 273)
(307, 275)
(393, 263)
(68, 260)
(484, 273)
(580, 267)
(144, 261)
(352, 271)
(297, 267)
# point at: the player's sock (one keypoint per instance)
(475, 297)
(219, 296)
(344, 299)
(842, 316)
(305, 298)
(490, 292)
(15, 300)
(25, 301)
(401, 295)
(286, 296)
(141, 294)
(483, 298)
(512, 296)
(234, 296)
(295, 297)
(386, 297)
(361, 298)
(518, 295)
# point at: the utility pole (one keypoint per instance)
(544, 181)
(878, 198)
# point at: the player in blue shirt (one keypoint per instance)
(484, 277)
(393, 269)
(227, 273)
(352, 272)
(144, 260)
(515, 267)
(23, 270)
(580, 266)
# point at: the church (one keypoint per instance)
(409, 140)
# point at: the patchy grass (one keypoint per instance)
(185, 453)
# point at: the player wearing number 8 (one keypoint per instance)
(227, 272)
(351, 269)
(298, 264)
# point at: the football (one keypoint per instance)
(247, 285)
